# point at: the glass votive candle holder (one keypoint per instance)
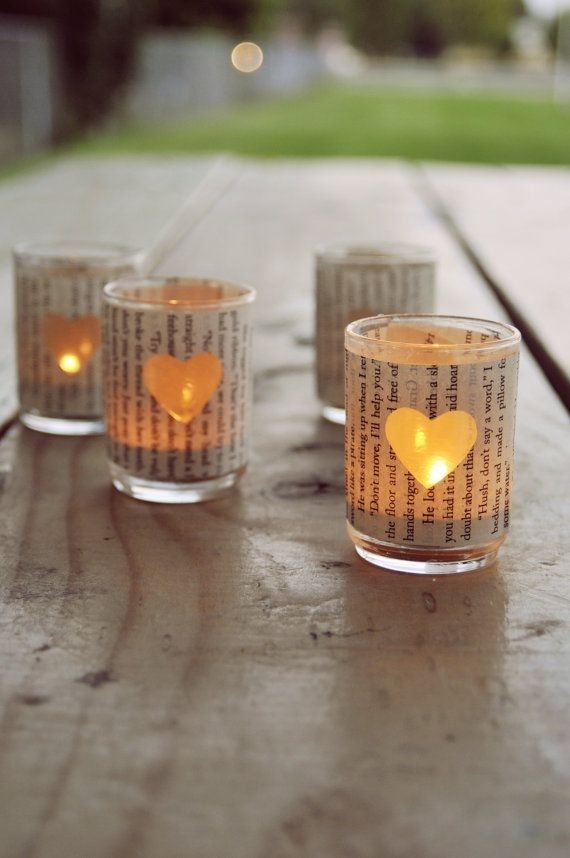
(356, 281)
(429, 440)
(178, 386)
(58, 305)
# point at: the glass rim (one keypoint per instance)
(387, 252)
(71, 253)
(512, 338)
(111, 293)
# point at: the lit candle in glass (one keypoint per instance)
(355, 281)
(177, 368)
(429, 440)
(58, 303)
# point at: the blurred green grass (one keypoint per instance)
(366, 122)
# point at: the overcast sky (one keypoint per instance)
(547, 7)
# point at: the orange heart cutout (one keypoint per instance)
(71, 342)
(183, 387)
(430, 449)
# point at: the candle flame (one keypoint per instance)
(420, 439)
(435, 470)
(438, 469)
(187, 393)
(69, 363)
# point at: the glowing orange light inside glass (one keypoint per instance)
(69, 363)
(247, 57)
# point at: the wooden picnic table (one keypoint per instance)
(229, 680)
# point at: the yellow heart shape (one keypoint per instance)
(71, 342)
(430, 449)
(183, 387)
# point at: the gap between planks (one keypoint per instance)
(553, 371)
(212, 188)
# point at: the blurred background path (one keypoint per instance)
(473, 80)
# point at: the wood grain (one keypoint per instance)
(230, 679)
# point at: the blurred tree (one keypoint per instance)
(559, 33)
(97, 39)
(428, 34)
(98, 43)
(313, 15)
(380, 26)
(238, 16)
(479, 22)
(96, 49)
(426, 27)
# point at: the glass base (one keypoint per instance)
(157, 491)
(424, 561)
(334, 414)
(63, 426)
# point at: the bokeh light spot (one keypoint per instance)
(247, 57)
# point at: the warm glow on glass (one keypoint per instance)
(247, 57)
(69, 363)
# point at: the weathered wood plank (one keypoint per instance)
(141, 202)
(230, 679)
(516, 221)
